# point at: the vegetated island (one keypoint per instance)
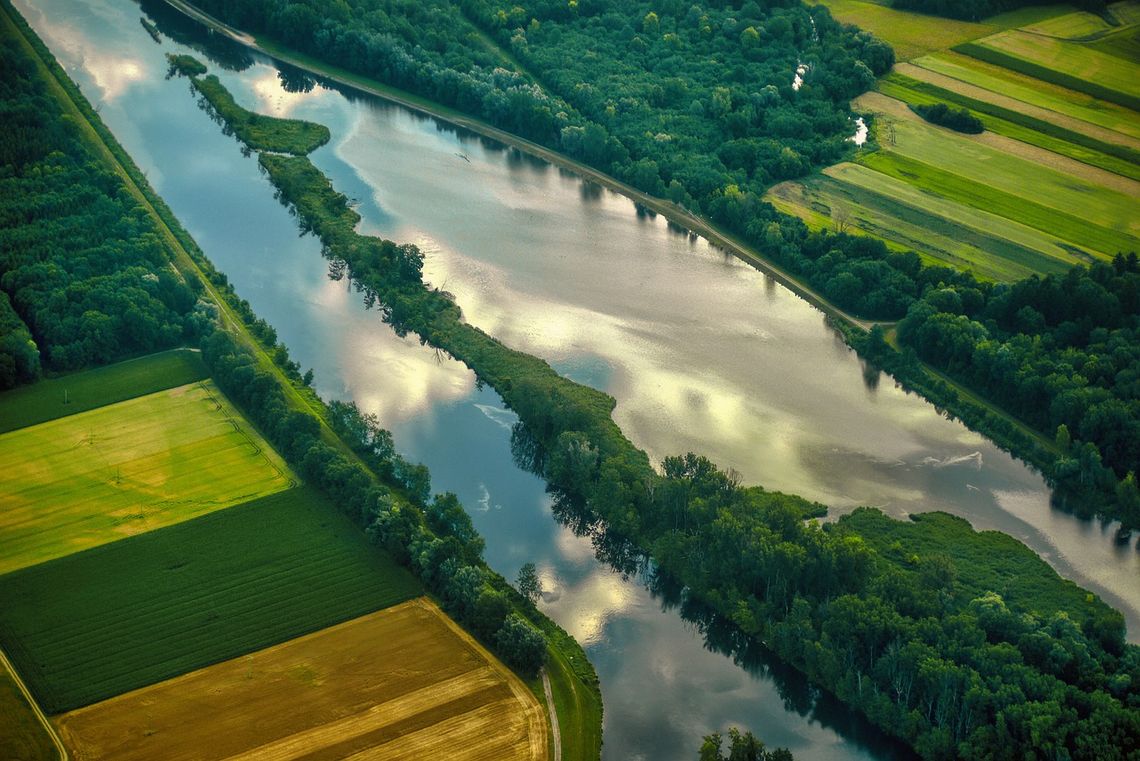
(960, 643)
(135, 282)
(631, 90)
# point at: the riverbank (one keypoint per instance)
(1008, 432)
(237, 321)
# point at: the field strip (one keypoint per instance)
(968, 216)
(1068, 58)
(909, 136)
(1041, 157)
(554, 729)
(912, 220)
(466, 735)
(918, 70)
(1037, 92)
(397, 681)
(375, 717)
(87, 479)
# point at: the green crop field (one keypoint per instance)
(944, 232)
(80, 481)
(1018, 121)
(82, 391)
(1068, 58)
(124, 615)
(967, 170)
(1071, 26)
(910, 34)
(1035, 92)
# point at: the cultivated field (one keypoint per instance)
(403, 683)
(1053, 181)
(78, 392)
(83, 480)
(910, 34)
(130, 613)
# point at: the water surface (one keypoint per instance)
(702, 352)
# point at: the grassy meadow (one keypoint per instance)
(91, 478)
(428, 691)
(1053, 181)
(95, 624)
(78, 392)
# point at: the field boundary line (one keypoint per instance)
(529, 703)
(555, 733)
(59, 746)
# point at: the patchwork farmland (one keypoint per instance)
(159, 535)
(83, 480)
(348, 691)
(1053, 181)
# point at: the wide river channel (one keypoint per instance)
(702, 352)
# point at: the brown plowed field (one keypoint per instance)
(402, 683)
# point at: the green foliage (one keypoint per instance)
(1056, 351)
(528, 583)
(741, 747)
(185, 65)
(19, 356)
(82, 263)
(259, 132)
(958, 119)
(521, 645)
(78, 392)
(134, 612)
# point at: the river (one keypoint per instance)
(702, 352)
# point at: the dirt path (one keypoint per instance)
(554, 731)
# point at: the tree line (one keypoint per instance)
(84, 272)
(962, 644)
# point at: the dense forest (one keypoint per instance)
(1060, 352)
(963, 644)
(82, 264)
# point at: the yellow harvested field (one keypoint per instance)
(402, 683)
(94, 477)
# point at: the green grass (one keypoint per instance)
(99, 623)
(1070, 26)
(87, 390)
(1069, 65)
(1035, 92)
(1066, 227)
(1122, 44)
(22, 736)
(260, 132)
(910, 34)
(943, 232)
(971, 172)
(985, 561)
(1019, 126)
(84, 480)
(579, 710)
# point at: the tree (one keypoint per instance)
(528, 583)
(521, 645)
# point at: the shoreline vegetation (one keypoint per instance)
(905, 622)
(337, 449)
(1095, 490)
